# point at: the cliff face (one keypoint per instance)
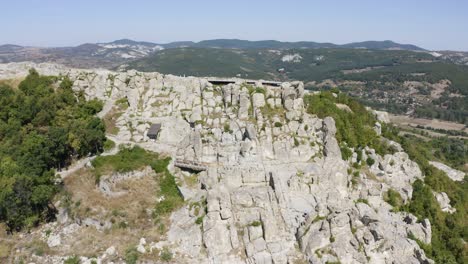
(275, 188)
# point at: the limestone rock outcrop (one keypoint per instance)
(275, 188)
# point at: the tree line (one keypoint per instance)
(44, 125)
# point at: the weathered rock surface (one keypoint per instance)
(275, 190)
(444, 202)
(453, 174)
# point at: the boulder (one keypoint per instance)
(444, 202)
(331, 144)
(258, 100)
(453, 174)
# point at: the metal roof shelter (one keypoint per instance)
(154, 131)
(228, 81)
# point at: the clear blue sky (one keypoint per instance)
(431, 24)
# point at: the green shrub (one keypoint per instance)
(131, 255)
(296, 142)
(123, 224)
(278, 124)
(355, 178)
(346, 152)
(72, 260)
(256, 223)
(199, 220)
(260, 90)
(370, 161)
(166, 255)
(393, 198)
(108, 144)
(227, 128)
(360, 200)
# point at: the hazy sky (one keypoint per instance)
(431, 24)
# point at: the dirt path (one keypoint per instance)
(75, 167)
(79, 164)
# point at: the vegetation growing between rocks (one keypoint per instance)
(72, 260)
(43, 126)
(168, 189)
(449, 231)
(353, 129)
(132, 255)
(393, 198)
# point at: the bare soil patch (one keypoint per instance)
(433, 123)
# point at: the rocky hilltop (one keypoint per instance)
(274, 187)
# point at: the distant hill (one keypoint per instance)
(208, 62)
(269, 44)
(9, 47)
(88, 55)
(382, 45)
(263, 44)
(111, 54)
(273, 44)
(130, 42)
(312, 64)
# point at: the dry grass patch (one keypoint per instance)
(139, 195)
(130, 213)
(13, 83)
(5, 249)
(370, 175)
(129, 216)
(191, 181)
(270, 112)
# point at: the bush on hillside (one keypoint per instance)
(42, 128)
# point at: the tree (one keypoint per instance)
(41, 128)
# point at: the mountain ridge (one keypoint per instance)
(254, 44)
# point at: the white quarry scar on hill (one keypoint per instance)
(276, 187)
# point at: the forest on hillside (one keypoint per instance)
(44, 125)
